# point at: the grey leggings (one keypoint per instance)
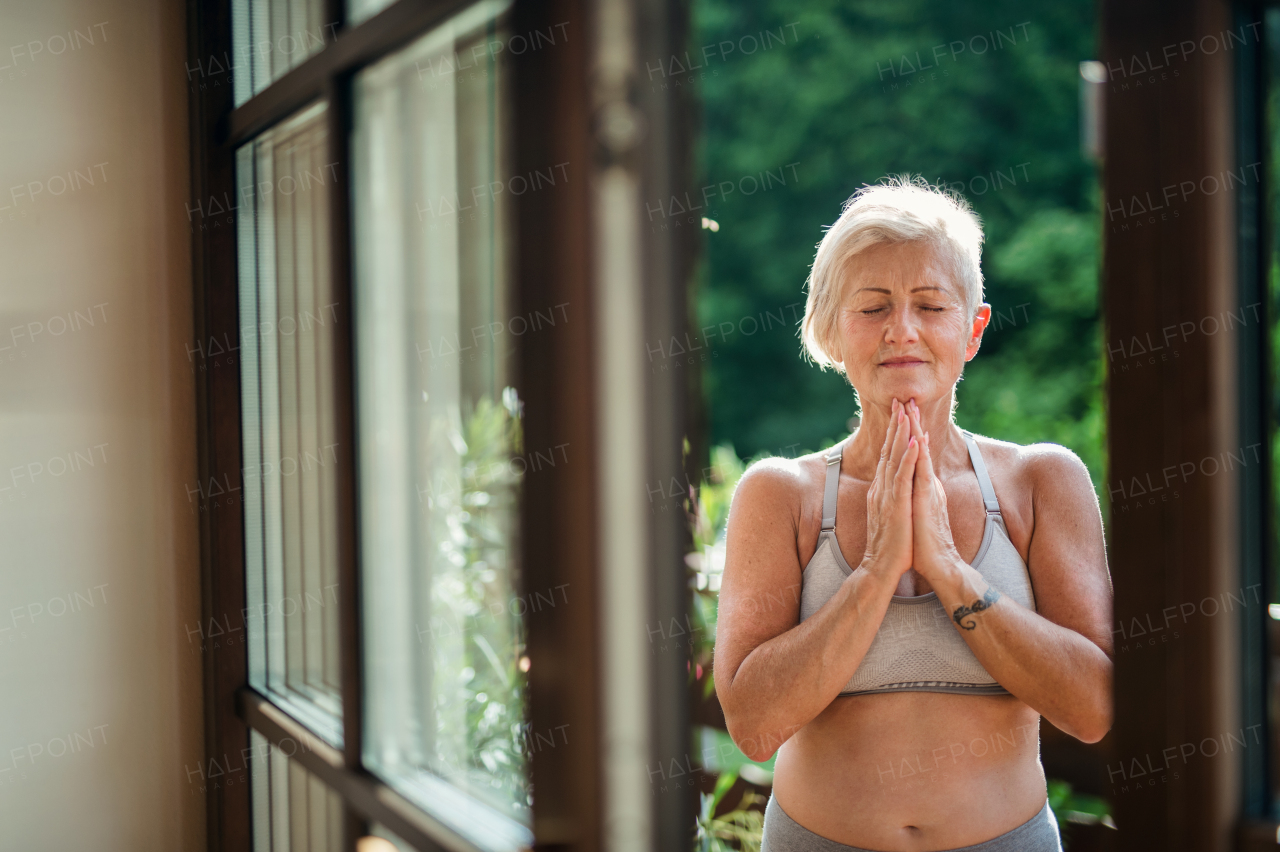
(783, 834)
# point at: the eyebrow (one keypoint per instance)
(888, 292)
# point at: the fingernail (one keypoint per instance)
(912, 442)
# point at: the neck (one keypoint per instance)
(945, 441)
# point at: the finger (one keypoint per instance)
(892, 427)
(927, 478)
(924, 464)
(913, 411)
(907, 467)
(887, 446)
(901, 435)
(884, 448)
(928, 458)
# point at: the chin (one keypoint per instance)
(906, 388)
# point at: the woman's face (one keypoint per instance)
(903, 329)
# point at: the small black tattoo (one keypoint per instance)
(978, 606)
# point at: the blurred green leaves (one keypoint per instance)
(835, 97)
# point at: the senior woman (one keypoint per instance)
(897, 612)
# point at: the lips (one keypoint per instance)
(905, 361)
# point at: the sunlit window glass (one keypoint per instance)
(292, 809)
(439, 423)
(288, 317)
(268, 39)
(359, 10)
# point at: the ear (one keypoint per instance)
(980, 321)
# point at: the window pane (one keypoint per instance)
(359, 10)
(292, 810)
(439, 431)
(287, 316)
(269, 37)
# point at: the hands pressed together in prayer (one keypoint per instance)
(907, 522)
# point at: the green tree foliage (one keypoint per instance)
(836, 94)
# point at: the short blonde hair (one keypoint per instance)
(897, 210)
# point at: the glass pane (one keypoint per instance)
(288, 316)
(292, 810)
(359, 10)
(269, 37)
(439, 425)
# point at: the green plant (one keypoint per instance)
(707, 508)
(1069, 806)
(739, 829)
(477, 637)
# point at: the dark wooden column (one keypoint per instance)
(1169, 284)
(216, 362)
(559, 515)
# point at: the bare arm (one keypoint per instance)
(1057, 660)
(773, 674)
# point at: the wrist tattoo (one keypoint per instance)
(978, 606)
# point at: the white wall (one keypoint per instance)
(112, 384)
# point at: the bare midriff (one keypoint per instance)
(913, 771)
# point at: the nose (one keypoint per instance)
(900, 326)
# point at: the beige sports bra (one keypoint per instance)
(918, 647)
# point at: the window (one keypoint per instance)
(439, 426)
(288, 318)
(413, 275)
(271, 38)
(292, 809)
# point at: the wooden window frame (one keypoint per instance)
(559, 104)
(1213, 538)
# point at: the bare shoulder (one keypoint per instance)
(776, 484)
(1040, 468)
(1055, 472)
(1039, 484)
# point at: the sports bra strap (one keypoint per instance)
(984, 481)
(834, 456)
